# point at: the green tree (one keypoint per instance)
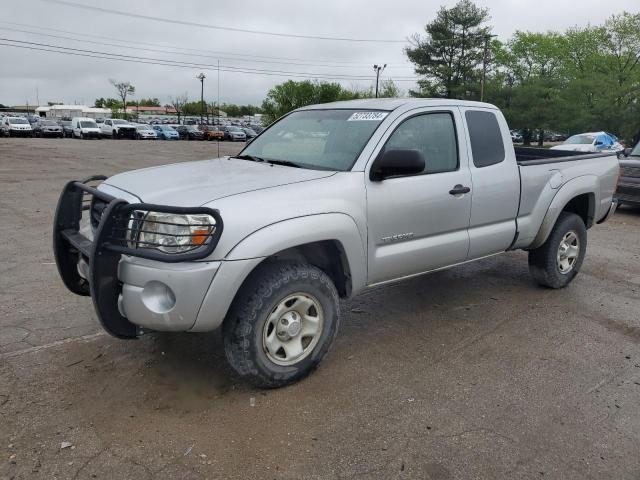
(534, 71)
(291, 94)
(449, 57)
(146, 102)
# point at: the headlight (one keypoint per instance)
(168, 232)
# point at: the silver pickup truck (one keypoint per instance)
(326, 202)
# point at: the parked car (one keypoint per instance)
(47, 128)
(85, 128)
(117, 128)
(233, 133)
(16, 127)
(212, 133)
(189, 132)
(391, 190)
(590, 142)
(145, 132)
(628, 191)
(516, 137)
(249, 133)
(67, 128)
(165, 132)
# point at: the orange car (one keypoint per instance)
(212, 133)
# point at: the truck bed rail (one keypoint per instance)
(540, 156)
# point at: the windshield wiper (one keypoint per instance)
(252, 158)
(286, 163)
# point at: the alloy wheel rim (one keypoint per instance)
(568, 252)
(293, 329)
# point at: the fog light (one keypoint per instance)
(158, 297)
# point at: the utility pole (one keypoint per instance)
(378, 69)
(201, 77)
(485, 60)
(218, 109)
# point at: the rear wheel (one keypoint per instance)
(556, 263)
(281, 324)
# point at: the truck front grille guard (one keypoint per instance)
(117, 226)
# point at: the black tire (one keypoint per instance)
(543, 263)
(243, 327)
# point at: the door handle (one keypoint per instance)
(459, 190)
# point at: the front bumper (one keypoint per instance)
(126, 133)
(51, 133)
(92, 134)
(130, 287)
(20, 133)
(628, 190)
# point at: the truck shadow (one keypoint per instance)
(196, 364)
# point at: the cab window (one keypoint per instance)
(434, 135)
(487, 146)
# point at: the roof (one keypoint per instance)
(134, 108)
(390, 104)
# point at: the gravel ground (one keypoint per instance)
(474, 372)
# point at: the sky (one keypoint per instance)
(251, 63)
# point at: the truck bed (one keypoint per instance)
(540, 156)
(544, 172)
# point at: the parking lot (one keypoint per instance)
(474, 372)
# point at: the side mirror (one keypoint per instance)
(627, 152)
(391, 163)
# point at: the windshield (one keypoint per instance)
(18, 121)
(234, 129)
(88, 125)
(143, 127)
(580, 140)
(322, 139)
(636, 150)
(120, 122)
(48, 123)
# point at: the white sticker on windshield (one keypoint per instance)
(371, 116)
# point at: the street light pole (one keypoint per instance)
(378, 69)
(201, 77)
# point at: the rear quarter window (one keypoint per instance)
(487, 146)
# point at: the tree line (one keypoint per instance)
(582, 79)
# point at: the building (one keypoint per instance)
(59, 111)
(140, 110)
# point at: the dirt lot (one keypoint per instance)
(470, 373)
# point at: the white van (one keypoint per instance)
(84, 127)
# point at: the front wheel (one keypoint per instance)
(558, 260)
(281, 324)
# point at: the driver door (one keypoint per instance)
(420, 222)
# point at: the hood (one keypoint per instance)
(192, 184)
